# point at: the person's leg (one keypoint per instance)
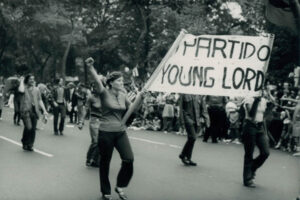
(18, 118)
(191, 133)
(27, 127)
(262, 143)
(249, 140)
(170, 124)
(165, 124)
(0, 113)
(33, 118)
(55, 120)
(93, 150)
(62, 118)
(106, 146)
(186, 153)
(123, 146)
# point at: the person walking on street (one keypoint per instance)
(94, 104)
(71, 99)
(31, 104)
(112, 132)
(17, 104)
(254, 134)
(192, 109)
(59, 106)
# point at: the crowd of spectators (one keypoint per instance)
(161, 112)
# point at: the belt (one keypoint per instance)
(255, 123)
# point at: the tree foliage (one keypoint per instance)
(45, 37)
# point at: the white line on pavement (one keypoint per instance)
(153, 142)
(19, 144)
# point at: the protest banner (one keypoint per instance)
(138, 98)
(220, 65)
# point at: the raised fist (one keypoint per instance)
(89, 61)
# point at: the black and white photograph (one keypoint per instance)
(149, 100)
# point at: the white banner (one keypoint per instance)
(217, 65)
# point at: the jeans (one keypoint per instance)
(60, 109)
(191, 138)
(93, 152)
(81, 113)
(106, 143)
(17, 114)
(218, 126)
(254, 135)
(30, 120)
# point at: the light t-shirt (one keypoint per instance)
(261, 108)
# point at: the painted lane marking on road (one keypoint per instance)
(19, 144)
(154, 142)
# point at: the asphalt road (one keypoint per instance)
(56, 170)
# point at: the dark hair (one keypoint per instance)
(113, 76)
(27, 77)
(57, 81)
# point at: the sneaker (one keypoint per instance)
(106, 197)
(249, 184)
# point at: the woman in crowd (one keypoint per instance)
(112, 132)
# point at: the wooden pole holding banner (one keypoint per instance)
(138, 98)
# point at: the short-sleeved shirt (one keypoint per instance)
(113, 108)
(94, 103)
(262, 105)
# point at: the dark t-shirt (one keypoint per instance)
(113, 109)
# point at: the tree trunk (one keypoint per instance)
(64, 61)
(295, 7)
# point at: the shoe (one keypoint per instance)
(191, 163)
(61, 133)
(184, 159)
(56, 133)
(121, 193)
(94, 164)
(249, 184)
(106, 197)
(88, 163)
(29, 149)
(253, 175)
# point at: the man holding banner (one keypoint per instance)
(218, 65)
(192, 109)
